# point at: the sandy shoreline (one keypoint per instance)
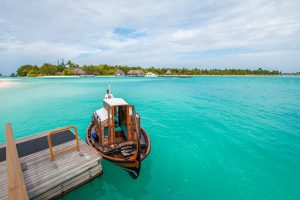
(6, 83)
(76, 76)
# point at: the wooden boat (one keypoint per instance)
(115, 132)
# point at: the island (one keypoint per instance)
(72, 69)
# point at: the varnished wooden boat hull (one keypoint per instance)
(132, 166)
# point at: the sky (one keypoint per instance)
(176, 33)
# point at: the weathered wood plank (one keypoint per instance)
(38, 167)
(16, 188)
(43, 184)
(46, 179)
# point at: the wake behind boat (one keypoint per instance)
(116, 134)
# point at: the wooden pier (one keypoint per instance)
(46, 165)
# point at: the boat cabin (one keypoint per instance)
(115, 123)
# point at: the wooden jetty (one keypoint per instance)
(46, 165)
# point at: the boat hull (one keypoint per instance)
(132, 166)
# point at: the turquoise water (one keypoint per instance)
(212, 137)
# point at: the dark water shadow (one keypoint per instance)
(118, 180)
(115, 183)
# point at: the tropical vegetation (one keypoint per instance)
(106, 70)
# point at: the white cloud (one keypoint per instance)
(174, 33)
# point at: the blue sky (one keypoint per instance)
(177, 33)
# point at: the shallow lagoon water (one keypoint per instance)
(212, 137)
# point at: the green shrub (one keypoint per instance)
(69, 72)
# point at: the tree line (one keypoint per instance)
(71, 68)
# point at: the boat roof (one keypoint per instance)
(101, 114)
(115, 102)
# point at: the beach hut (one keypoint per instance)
(120, 73)
(135, 73)
(79, 72)
(168, 72)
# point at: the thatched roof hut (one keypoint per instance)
(13, 75)
(135, 73)
(168, 72)
(79, 71)
(119, 73)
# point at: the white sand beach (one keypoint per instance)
(6, 83)
(59, 77)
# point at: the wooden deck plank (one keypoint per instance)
(45, 179)
(73, 158)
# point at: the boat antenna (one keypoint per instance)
(108, 88)
(108, 94)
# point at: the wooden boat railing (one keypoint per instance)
(59, 130)
(135, 122)
(16, 187)
(111, 125)
(98, 126)
(129, 135)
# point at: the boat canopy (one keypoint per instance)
(115, 102)
(101, 114)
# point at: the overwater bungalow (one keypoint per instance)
(79, 72)
(120, 73)
(168, 72)
(135, 73)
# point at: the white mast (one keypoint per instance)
(108, 88)
(108, 94)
